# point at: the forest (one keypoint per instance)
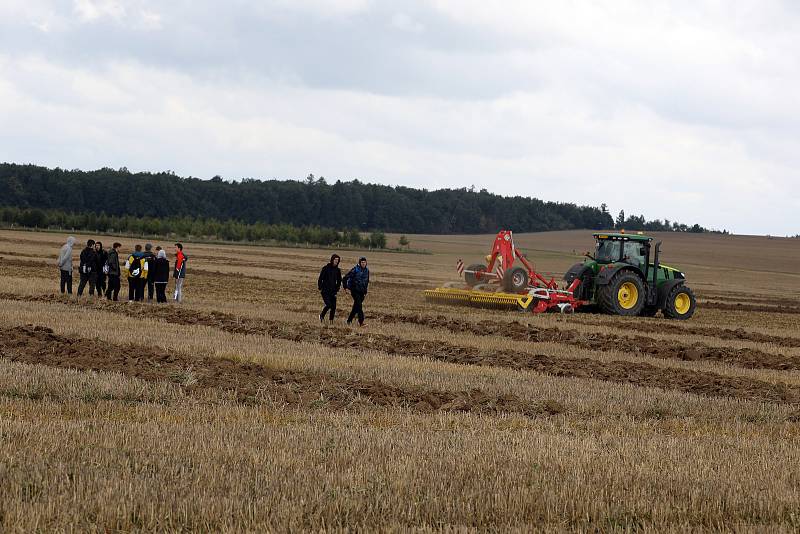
(310, 203)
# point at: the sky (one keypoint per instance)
(685, 110)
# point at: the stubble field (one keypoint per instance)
(237, 410)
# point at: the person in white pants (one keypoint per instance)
(180, 271)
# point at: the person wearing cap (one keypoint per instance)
(357, 282)
(150, 259)
(328, 283)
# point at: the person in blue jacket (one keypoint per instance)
(357, 282)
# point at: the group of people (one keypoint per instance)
(100, 269)
(356, 281)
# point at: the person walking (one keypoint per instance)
(357, 282)
(112, 270)
(180, 271)
(160, 276)
(102, 258)
(65, 265)
(136, 268)
(329, 282)
(150, 259)
(88, 268)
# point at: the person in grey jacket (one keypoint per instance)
(65, 265)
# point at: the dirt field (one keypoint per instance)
(238, 411)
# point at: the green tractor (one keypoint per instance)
(624, 277)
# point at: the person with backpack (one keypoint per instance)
(160, 276)
(357, 282)
(65, 265)
(150, 258)
(136, 267)
(112, 270)
(102, 258)
(328, 283)
(88, 268)
(180, 271)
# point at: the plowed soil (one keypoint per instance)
(739, 334)
(640, 374)
(250, 382)
(737, 306)
(657, 348)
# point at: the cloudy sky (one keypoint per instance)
(684, 110)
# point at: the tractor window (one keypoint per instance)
(607, 251)
(633, 252)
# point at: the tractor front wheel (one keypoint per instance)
(680, 303)
(516, 280)
(623, 295)
(473, 278)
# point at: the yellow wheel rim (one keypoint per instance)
(628, 295)
(682, 303)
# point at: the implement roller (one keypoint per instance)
(501, 284)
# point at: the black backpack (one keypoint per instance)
(135, 267)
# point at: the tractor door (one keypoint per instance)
(635, 253)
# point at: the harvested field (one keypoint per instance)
(237, 410)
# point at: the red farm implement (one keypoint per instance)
(508, 280)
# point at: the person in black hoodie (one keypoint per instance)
(150, 258)
(329, 282)
(102, 258)
(112, 293)
(160, 276)
(88, 268)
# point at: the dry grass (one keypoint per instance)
(336, 437)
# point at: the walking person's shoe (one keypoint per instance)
(321, 319)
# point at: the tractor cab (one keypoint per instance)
(625, 248)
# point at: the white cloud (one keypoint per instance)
(679, 110)
(406, 23)
(91, 10)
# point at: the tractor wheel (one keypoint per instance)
(624, 295)
(680, 303)
(516, 280)
(471, 278)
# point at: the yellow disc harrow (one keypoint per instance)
(482, 299)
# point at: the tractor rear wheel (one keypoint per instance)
(472, 278)
(516, 280)
(623, 295)
(680, 303)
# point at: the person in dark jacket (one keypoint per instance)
(102, 258)
(114, 272)
(150, 258)
(160, 276)
(357, 282)
(328, 283)
(88, 268)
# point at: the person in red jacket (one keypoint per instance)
(180, 271)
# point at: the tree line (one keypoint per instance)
(188, 227)
(312, 202)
